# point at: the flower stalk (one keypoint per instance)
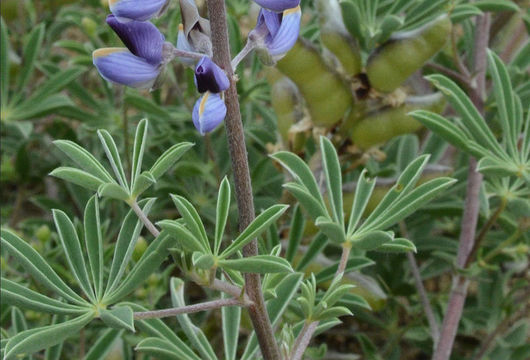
(243, 188)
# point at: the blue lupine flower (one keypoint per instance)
(140, 64)
(210, 77)
(139, 10)
(209, 111)
(278, 5)
(277, 32)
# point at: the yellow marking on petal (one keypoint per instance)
(202, 104)
(112, 2)
(291, 11)
(181, 27)
(107, 51)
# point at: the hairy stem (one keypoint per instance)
(238, 155)
(457, 297)
(302, 341)
(188, 309)
(143, 218)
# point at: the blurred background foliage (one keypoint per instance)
(51, 90)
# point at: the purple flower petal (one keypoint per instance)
(210, 77)
(209, 111)
(120, 66)
(278, 5)
(287, 34)
(142, 38)
(140, 10)
(271, 20)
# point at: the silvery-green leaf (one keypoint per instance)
(138, 149)
(169, 158)
(230, 316)
(310, 203)
(295, 233)
(142, 182)
(398, 245)
(127, 238)
(113, 191)
(261, 264)
(119, 317)
(184, 237)
(333, 231)
(331, 164)
(372, 240)
(363, 192)
(221, 214)
(163, 349)
(84, 159)
(18, 295)
(111, 150)
(94, 244)
(254, 229)
(150, 261)
(72, 249)
(37, 267)
(78, 177)
(353, 264)
(192, 219)
(30, 341)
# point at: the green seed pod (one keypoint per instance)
(382, 126)
(336, 38)
(394, 61)
(285, 100)
(327, 96)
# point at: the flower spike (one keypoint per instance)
(120, 66)
(209, 111)
(278, 5)
(142, 38)
(140, 10)
(210, 77)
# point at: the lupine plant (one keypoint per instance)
(378, 153)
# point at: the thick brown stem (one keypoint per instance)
(457, 297)
(238, 154)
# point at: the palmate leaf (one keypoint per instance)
(193, 333)
(471, 118)
(37, 267)
(33, 340)
(151, 259)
